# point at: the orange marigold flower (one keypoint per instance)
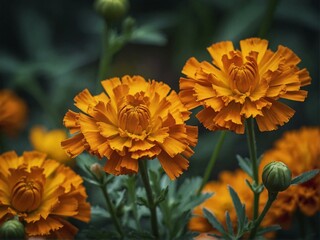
(13, 112)
(241, 84)
(300, 151)
(42, 193)
(49, 142)
(136, 119)
(221, 201)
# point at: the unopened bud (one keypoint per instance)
(276, 177)
(12, 229)
(97, 170)
(112, 10)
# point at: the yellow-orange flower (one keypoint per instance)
(49, 142)
(221, 201)
(13, 112)
(300, 151)
(241, 84)
(42, 193)
(136, 119)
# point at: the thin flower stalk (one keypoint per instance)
(112, 210)
(152, 206)
(255, 168)
(212, 161)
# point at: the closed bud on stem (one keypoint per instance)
(112, 10)
(97, 170)
(276, 176)
(12, 229)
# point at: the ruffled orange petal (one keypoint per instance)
(217, 50)
(173, 166)
(254, 45)
(70, 120)
(276, 115)
(43, 226)
(74, 146)
(84, 101)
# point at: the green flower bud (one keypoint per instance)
(112, 10)
(97, 170)
(12, 229)
(276, 177)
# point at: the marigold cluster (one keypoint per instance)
(300, 151)
(13, 112)
(135, 120)
(49, 142)
(244, 84)
(43, 194)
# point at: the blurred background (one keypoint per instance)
(50, 50)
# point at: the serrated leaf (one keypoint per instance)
(91, 181)
(229, 224)
(213, 221)
(271, 228)
(245, 165)
(239, 207)
(162, 196)
(142, 201)
(304, 177)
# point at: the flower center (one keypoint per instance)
(243, 78)
(135, 116)
(26, 195)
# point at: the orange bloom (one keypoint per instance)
(49, 142)
(13, 112)
(42, 193)
(136, 119)
(221, 201)
(241, 84)
(300, 151)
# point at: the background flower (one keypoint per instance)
(300, 151)
(138, 119)
(243, 84)
(42, 193)
(13, 112)
(221, 201)
(49, 142)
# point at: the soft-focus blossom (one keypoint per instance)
(242, 84)
(221, 201)
(42, 193)
(49, 142)
(135, 120)
(300, 151)
(13, 112)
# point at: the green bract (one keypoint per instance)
(12, 229)
(276, 176)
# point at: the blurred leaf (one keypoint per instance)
(8, 63)
(229, 224)
(265, 230)
(239, 207)
(98, 213)
(243, 20)
(35, 34)
(148, 35)
(214, 221)
(304, 177)
(245, 165)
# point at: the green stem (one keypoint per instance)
(212, 160)
(152, 206)
(266, 22)
(107, 54)
(112, 210)
(254, 161)
(132, 199)
(271, 197)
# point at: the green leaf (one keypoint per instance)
(142, 201)
(239, 207)
(304, 177)
(229, 224)
(214, 221)
(91, 181)
(192, 202)
(162, 196)
(271, 228)
(98, 212)
(245, 165)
